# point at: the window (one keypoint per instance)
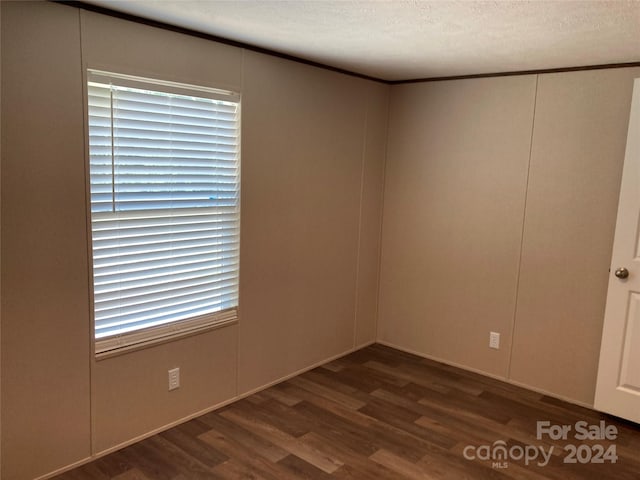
(164, 182)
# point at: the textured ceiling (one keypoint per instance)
(403, 39)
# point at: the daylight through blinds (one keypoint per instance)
(164, 175)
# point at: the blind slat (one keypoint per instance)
(124, 325)
(115, 284)
(174, 284)
(137, 307)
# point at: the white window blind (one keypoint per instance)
(164, 182)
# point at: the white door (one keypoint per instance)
(618, 388)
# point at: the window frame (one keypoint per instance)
(147, 336)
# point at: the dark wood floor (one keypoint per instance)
(380, 414)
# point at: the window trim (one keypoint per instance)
(177, 88)
(145, 337)
(150, 336)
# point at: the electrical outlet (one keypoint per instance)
(494, 340)
(174, 378)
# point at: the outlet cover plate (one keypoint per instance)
(494, 340)
(174, 378)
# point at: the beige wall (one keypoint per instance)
(45, 303)
(576, 164)
(129, 392)
(462, 255)
(312, 171)
(304, 161)
(454, 200)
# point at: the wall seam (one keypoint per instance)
(522, 231)
(382, 209)
(363, 157)
(88, 228)
(238, 325)
(0, 244)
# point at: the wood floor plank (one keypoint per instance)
(351, 380)
(410, 425)
(133, 474)
(236, 469)
(151, 461)
(289, 443)
(302, 469)
(246, 438)
(448, 467)
(332, 366)
(332, 381)
(428, 378)
(87, 472)
(179, 457)
(261, 412)
(282, 397)
(401, 466)
(355, 465)
(185, 438)
(326, 392)
(371, 431)
(112, 465)
(242, 457)
(376, 414)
